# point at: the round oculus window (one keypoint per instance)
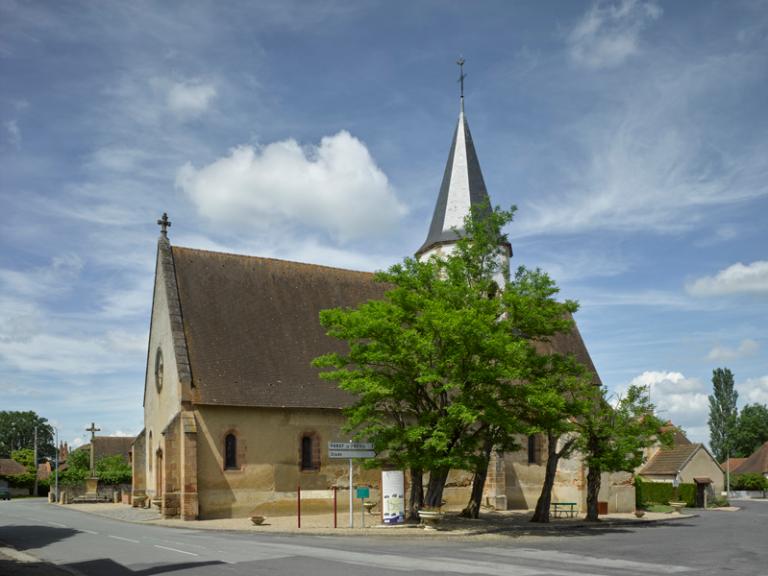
(159, 369)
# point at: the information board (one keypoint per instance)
(393, 496)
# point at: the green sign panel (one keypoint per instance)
(363, 492)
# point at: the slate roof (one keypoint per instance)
(10, 467)
(756, 463)
(251, 328)
(462, 183)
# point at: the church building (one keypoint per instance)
(235, 415)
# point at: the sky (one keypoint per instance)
(632, 136)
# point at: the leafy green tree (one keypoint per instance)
(613, 438)
(25, 457)
(751, 430)
(17, 431)
(433, 365)
(749, 481)
(723, 413)
(113, 470)
(557, 393)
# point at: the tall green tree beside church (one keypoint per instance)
(723, 414)
(613, 437)
(435, 365)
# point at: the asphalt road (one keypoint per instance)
(713, 543)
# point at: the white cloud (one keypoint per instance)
(747, 347)
(738, 278)
(646, 160)
(61, 274)
(190, 98)
(679, 399)
(609, 33)
(754, 390)
(335, 187)
(12, 133)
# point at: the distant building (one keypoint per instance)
(686, 462)
(757, 463)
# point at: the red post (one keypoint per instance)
(335, 523)
(298, 504)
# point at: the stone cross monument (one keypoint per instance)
(93, 431)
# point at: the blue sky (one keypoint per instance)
(632, 136)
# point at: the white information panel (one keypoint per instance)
(393, 496)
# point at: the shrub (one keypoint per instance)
(648, 493)
(749, 481)
(687, 493)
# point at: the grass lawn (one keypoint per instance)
(659, 508)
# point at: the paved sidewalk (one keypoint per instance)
(511, 523)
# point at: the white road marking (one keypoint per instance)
(176, 550)
(88, 531)
(55, 524)
(121, 538)
(581, 560)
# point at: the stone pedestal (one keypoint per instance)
(91, 487)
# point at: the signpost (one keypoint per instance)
(350, 450)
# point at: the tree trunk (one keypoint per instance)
(541, 514)
(593, 489)
(472, 510)
(416, 497)
(435, 487)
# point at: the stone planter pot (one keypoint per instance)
(258, 520)
(639, 513)
(677, 507)
(430, 518)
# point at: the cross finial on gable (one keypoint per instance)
(164, 224)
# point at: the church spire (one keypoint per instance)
(462, 187)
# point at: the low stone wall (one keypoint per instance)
(747, 494)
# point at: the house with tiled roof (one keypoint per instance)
(686, 462)
(731, 464)
(236, 416)
(757, 463)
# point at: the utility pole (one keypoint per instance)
(56, 490)
(34, 490)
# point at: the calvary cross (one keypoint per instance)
(93, 431)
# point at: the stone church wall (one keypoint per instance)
(268, 468)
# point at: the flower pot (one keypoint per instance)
(430, 518)
(257, 520)
(639, 513)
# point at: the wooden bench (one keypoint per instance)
(561, 508)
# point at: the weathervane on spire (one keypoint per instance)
(164, 224)
(460, 62)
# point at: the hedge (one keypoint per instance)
(749, 481)
(647, 493)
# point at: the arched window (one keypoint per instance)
(533, 449)
(310, 452)
(151, 455)
(230, 451)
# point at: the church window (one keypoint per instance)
(150, 451)
(159, 369)
(534, 449)
(310, 452)
(230, 451)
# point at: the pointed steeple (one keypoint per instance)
(463, 185)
